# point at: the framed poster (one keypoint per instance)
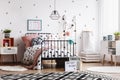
(34, 25)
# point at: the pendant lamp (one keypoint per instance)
(54, 15)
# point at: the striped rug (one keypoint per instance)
(56, 76)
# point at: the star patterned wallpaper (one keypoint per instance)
(15, 13)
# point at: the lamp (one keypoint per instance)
(54, 15)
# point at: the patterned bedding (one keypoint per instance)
(28, 57)
(48, 53)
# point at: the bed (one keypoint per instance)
(47, 46)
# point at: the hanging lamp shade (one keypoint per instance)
(54, 15)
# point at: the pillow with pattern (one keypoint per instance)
(36, 41)
(44, 37)
(27, 39)
(29, 56)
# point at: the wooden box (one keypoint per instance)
(8, 42)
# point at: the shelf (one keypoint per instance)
(9, 42)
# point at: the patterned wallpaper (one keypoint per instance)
(15, 13)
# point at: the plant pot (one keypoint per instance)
(117, 37)
(7, 35)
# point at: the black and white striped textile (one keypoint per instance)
(56, 76)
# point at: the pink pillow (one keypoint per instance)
(27, 39)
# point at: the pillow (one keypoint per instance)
(29, 56)
(27, 39)
(44, 36)
(36, 47)
(36, 41)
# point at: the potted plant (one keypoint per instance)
(117, 35)
(7, 33)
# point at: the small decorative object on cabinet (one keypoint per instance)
(104, 38)
(8, 42)
(117, 35)
(111, 48)
(7, 33)
(110, 37)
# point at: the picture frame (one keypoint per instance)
(34, 25)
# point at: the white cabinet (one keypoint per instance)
(117, 47)
(104, 47)
(8, 51)
(111, 48)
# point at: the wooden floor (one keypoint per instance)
(84, 66)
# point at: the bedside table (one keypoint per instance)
(8, 51)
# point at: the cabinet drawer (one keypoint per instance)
(8, 50)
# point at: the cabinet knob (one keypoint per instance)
(9, 48)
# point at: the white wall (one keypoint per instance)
(14, 15)
(119, 14)
(108, 18)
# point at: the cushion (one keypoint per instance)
(36, 47)
(44, 36)
(28, 56)
(27, 39)
(36, 41)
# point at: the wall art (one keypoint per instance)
(34, 25)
